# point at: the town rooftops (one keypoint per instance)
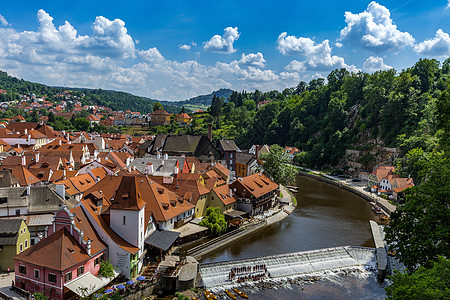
(228, 145)
(127, 196)
(257, 184)
(225, 194)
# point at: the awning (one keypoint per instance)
(233, 213)
(88, 284)
(162, 239)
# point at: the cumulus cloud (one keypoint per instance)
(3, 21)
(107, 58)
(375, 63)
(185, 47)
(438, 46)
(373, 29)
(318, 56)
(339, 45)
(224, 43)
(252, 59)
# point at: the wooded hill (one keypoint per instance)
(351, 111)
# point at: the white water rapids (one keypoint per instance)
(215, 275)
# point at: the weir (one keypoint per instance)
(291, 264)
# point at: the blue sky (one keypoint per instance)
(174, 50)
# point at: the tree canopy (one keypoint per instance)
(276, 165)
(214, 220)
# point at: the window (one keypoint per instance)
(20, 247)
(17, 212)
(98, 260)
(124, 220)
(68, 277)
(32, 242)
(3, 200)
(52, 277)
(20, 231)
(80, 270)
(26, 244)
(22, 269)
(36, 273)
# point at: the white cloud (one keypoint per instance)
(3, 21)
(339, 45)
(223, 44)
(439, 46)
(185, 47)
(375, 63)
(374, 30)
(252, 59)
(318, 56)
(448, 4)
(107, 58)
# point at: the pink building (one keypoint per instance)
(67, 259)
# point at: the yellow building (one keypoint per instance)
(223, 198)
(14, 238)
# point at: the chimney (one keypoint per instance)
(231, 193)
(24, 160)
(37, 157)
(61, 190)
(59, 142)
(166, 156)
(158, 155)
(64, 174)
(149, 169)
(88, 247)
(26, 131)
(210, 132)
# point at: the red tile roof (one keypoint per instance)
(59, 251)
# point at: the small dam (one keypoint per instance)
(216, 275)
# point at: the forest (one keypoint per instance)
(356, 111)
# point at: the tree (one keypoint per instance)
(214, 220)
(81, 124)
(157, 106)
(431, 283)
(276, 165)
(420, 228)
(39, 296)
(106, 269)
(216, 106)
(182, 111)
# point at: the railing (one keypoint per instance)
(183, 221)
(4, 296)
(20, 291)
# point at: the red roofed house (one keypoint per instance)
(256, 193)
(160, 117)
(66, 259)
(223, 198)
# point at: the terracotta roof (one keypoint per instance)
(59, 175)
(24, 176)
(160, 112)
(59, 251)
(83, 223)
(257, 184)
(402, 188)
(99, 172)
(225, 195)
(221, 168)
(228, 145)
(382, 171)
(291, 150)
(89, 208)
(127, 196)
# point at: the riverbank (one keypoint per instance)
(267, 219)
(357, 189)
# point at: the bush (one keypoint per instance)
(106, 269)
(39, 296)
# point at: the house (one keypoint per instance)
(378, 173)
(93, 119)
(291, 151)
(244, 164)
(109, 121)
(38, 226)
(223, 198)
(183, 119)
(14, 239)
(160, 117)
(74, 187)
(159, 165)
(228, 149)
(256, 193)
(191, 145)
(18, 201)
(66, 259)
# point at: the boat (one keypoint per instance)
(240, 293)
(376, 209)
(384, 218)
(210, 295)
(230, 295)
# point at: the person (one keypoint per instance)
(9, 269)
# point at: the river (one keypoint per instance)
(326, 216)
